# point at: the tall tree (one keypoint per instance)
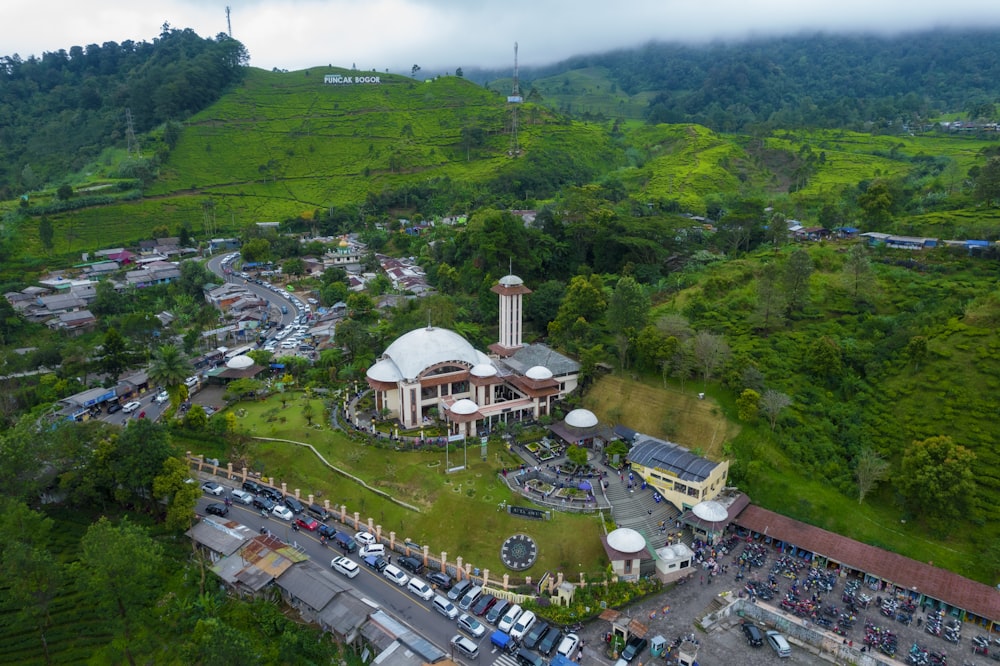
(798, 271)
(938, 481)
(582, 307)
(172, 484)
(769, 311)
(120, 567)
(876, 202)
(869, 469)
(857, 271)
(711, 352)
(628, 311)
(987, 183)
(115, 356)
(46, 233)
(772, 403)
(169, 368)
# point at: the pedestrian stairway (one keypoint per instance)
(638, 510)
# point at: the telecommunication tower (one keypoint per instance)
(132, 143)
(514, 100)
(229, 23)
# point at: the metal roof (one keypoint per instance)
(670, 457)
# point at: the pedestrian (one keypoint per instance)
(920, 621)
(649, 512)
(702, 581)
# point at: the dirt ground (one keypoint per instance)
(669, 413)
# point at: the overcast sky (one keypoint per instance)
(444, 34)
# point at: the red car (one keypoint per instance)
(307, 524)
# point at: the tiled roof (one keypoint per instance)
(977, 598)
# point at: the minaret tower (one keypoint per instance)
(510, 289)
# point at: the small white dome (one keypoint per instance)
(581, 418)
(464, 407)
(711, 511)
(239, 362)
(511, 281)
(626, 540)
(483, 370)
(538, 373)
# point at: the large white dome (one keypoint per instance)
(581, 418)
(239, 362)
(538, 373)
(464, 407)
(418, 350)
(626, 540)
(483, 370)
(711, 511)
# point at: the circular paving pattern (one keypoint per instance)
(519, 552)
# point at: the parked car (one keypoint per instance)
(396, 575)
(365, 538)
(114, 407)
(568, 645)
(483, 604)
(459, 589)
(377, 550)
(272, 494)
(310, 524)
(551, 639)
(497, 611)
(252, 487)
(420, 588)
(318, 511)
(213, 488)
(217, 509)
(471, 625)
(779, 644)
(441, 579)
(411, 564)
(282, 512)
(131, 406)
(326, 531)
(294, 504)
(346, 566)
(753, 635)
(634, 647)
(242, 496)
(532, 637)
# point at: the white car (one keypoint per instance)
(212, 488)
(471, 625)
(131, 406)
(396, 575)
(161, 397)
(568, 645)
(420, 588)
(191, 382)
(365, 538)
(346, 566)
(282, 512)
(375, 550)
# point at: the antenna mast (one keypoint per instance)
(132, 143)
(514, 100)
(229, 23)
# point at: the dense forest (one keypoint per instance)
(59, 111)
(819, 80)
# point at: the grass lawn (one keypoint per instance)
(458, 513)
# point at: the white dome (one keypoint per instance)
(414, 352)
(464, 407)
(239, 362)
(581, 418)
(511, 281)
(626, 540)
(483, 370)
(538, 373)
(711, 511)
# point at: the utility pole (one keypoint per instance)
(229, 23)
(514, 101)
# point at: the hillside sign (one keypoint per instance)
(337, 79)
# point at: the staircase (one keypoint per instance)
(638, 510)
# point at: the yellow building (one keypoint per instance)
(681, 477)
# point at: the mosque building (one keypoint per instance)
(435, 368)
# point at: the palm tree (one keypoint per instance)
(169, 369)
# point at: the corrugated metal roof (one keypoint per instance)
(670, 457)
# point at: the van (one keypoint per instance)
(529, 658)
(465, 646)
(459, 589)
(345, 566)
(420, 588)
(318, 511)
(375, 550)
(445, 607)
(470, 598)
(242, 496)
(522, 625)
(779, 644)
(294, 504)
(346, 542)
(508, 620)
